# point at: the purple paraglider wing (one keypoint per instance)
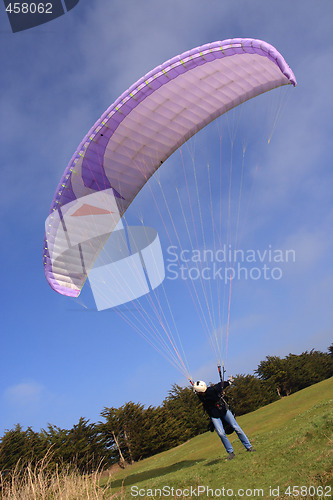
(136, 134)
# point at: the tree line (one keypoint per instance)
(132, 432)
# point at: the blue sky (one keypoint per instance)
(61, 359)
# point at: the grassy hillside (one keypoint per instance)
(294, 442)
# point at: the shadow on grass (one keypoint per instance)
(152, 473)
(214, 462)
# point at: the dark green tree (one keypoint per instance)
(18, 446)
(112, 431)
(295, 371)
(185, 414)
(249, 393)
(274, 371)
(82, 446)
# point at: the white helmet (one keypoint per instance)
(200, 386)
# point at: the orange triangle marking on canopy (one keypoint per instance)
(90, 210)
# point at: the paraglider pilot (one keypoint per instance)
(217, 408)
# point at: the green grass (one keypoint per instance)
(294, 442)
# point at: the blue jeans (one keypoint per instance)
(228, 417)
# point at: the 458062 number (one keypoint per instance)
(309, 491)
(29, 8)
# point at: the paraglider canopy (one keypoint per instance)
(136, 134)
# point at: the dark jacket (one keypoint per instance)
(213, 401)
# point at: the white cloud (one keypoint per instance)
(24, 394)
